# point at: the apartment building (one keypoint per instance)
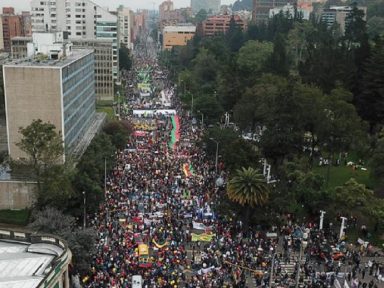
(126, 19)
(219, 24)
(11, 26)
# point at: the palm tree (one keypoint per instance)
(248, 188)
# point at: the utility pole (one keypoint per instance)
(85, 211)
(217, 152)
(105, 175)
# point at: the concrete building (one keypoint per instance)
(177, 35)
(26, 23)
(140, 23)
(103, 49)
(289, 10)
(260, 12)
(125, 30)
(168, 16)
(81, 19)
(19, 47)
(107, 29)
(33, 260)
(75, 17)
(211, 6)
(219, 24)
(56, 85)
(11, 27)
(338, 14)
(164, 9)
(1, 34)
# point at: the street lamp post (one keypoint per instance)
(202, 118)
(272, 266)
(85, 211)
(321, 219)
(217, 152)
(342, 227)
(303, 245)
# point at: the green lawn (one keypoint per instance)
(15, 217)
(107, 110)
(341, 174)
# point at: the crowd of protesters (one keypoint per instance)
(162, 193)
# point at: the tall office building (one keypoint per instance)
(211, 6)
(57, 85)
(125, 18)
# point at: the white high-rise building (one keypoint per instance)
(81, 19)
(126, 21)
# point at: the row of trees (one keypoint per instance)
(305, 90)
(63, 186)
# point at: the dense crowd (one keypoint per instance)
(162, 193)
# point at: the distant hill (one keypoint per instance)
(242, 5)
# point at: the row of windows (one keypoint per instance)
(75, 67)
(84, 116)
(71, 111)
(73, 87)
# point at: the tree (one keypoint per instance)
(279, 60)
(119, 132)
(377, 161)
(371, 99)
(43, 147)
(253, 56)
(200, 16)
(80, 241)
(125, 61)
(375, 27)
(248, 188)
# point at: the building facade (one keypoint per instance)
(1, 34)
(19, 47)
(338, 14)
(103, 49)
(219, 24)
(107, 29)
(211, 6)
(67, 98)
(260, 12)
(125, 30)
(12, 27)
(290, 11)
(177, 35)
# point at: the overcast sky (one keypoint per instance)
(112, 4)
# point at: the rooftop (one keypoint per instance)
(22, 38)
(180, 28)
(25, 265)
(35, 62)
